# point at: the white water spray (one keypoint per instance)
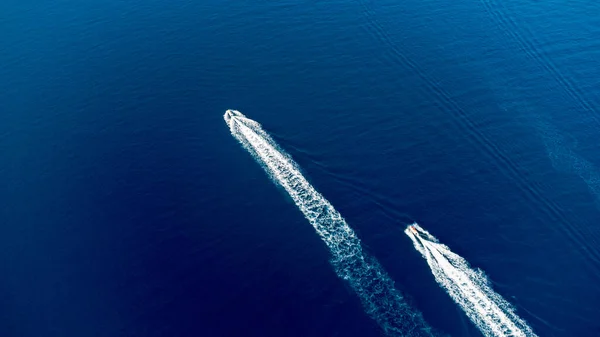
(365, 276)
(469, 288)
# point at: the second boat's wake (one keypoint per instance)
(468, 287)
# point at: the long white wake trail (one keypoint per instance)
(373, 286)
(468, 287)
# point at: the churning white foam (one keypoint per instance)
(468, 287)
(381, 300)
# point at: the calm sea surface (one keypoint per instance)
(128, 209)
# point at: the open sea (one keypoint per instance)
(128, 209)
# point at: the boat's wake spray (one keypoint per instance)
(363, 273)
(468, 287)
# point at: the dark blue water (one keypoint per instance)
(129, 210)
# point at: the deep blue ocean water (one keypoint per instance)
(129, 210)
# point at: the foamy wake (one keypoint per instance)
(468, 287)
(363, 273)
